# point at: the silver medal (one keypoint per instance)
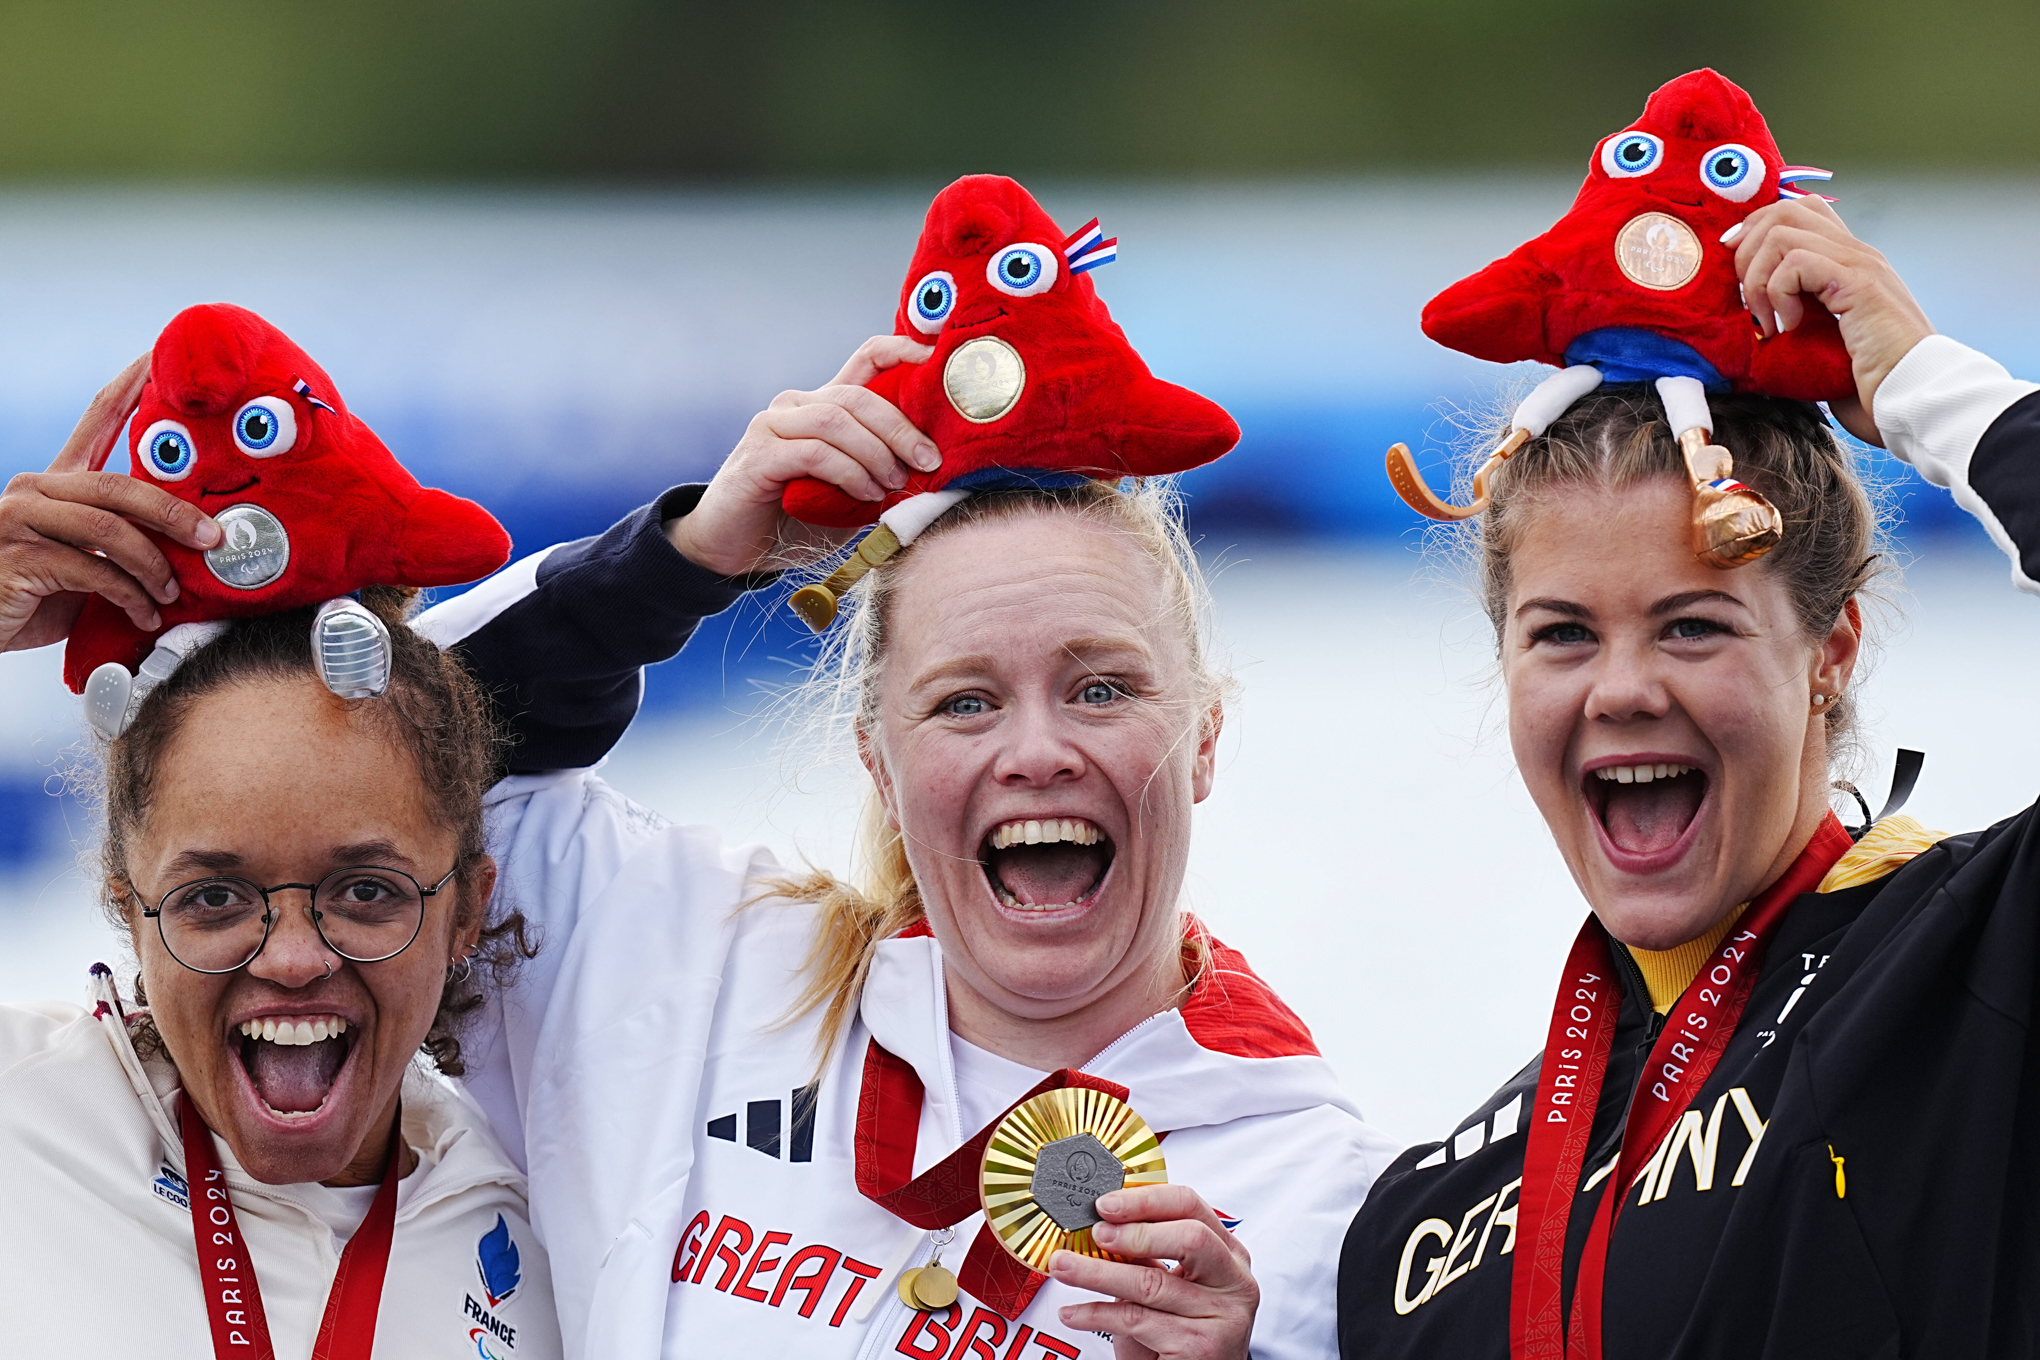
(255, 550)
(1069, 1176)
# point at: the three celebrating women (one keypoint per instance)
(1003, 1097)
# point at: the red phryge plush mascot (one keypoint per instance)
(1031, 382)
(1634, 284)
(239, 421)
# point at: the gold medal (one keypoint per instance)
(983, 379)
(1049, 1161)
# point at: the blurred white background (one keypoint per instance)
(1368, 846)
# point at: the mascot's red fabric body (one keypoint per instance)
(1078, 402)
(236, 414)
(1635, 280)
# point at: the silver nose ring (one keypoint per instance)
(329, 970)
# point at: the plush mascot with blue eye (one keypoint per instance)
(1032, 382)
(1635, 284)
(239, 421)
(1635, 280)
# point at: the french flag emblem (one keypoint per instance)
(304, 389)
(1089, 247)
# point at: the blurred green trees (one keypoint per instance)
(639, 90)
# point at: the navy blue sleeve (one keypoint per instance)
(559, 640)
(2005, 473)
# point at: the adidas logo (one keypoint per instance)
(762, 1125)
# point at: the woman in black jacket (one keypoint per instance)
(1788, 1105)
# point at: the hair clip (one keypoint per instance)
(1534, 415)
(113, 696)
(351, 651)
(896, 528)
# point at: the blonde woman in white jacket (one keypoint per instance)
(741, 1098)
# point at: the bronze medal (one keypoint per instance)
(1048, 1162)
(1657, 251)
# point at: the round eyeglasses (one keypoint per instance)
(365, 913)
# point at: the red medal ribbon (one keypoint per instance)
(889, 1127)
(233, 1298)
(1576, 1049)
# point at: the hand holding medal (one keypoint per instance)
(1074, 1184)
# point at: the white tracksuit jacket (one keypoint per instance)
(96, 1248)
(666, 1122)
(96, 1251)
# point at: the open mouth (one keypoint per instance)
(293, 1062)
(1646, 809)
(1049, 864)
(232, 490)
(1668, 198)
(985, 314)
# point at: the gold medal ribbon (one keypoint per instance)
(888, 1129)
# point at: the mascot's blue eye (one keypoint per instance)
(167, 447)
(1628, 154)
(934, 298)
(265, 427)
(1023, 269)
(1734, 171)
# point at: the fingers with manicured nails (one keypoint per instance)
(1757, 251)
(91, 441)
(878, 353)
(1203, 1307)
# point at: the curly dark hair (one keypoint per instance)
(432, 708)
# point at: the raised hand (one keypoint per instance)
(69, 532)
(1202, 1308)
(1798, 249)
(843, 434)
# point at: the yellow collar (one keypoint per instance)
(1887, 846)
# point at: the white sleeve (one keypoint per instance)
(1935, 409)
(558, 840)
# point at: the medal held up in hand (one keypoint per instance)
(1048, 1162)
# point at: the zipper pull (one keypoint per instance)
(926, 1289)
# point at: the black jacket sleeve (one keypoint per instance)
(2006, 474)
(559, 640)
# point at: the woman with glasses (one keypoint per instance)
(253, 1153)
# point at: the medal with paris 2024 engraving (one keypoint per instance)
(1048, 1162)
